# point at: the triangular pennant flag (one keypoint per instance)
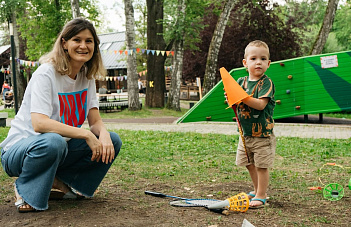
(137, 50)
(153, 52)
(157, 52)
(235, 93)
(163, 53)
(167, 52)
(134, 50)
(115, 51)
(172, 52)
(142, 51)
(126, 52)
(147, 51)
(121, 51)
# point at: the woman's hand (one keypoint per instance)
(95, 146)
(108, 150)
(97, 128)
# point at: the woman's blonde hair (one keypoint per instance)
(94, 68)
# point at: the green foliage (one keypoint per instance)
(342, 25)
(332, 44)
(6, 9)
(40, 21)
(249, 20)
(188, 27)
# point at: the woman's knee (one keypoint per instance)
(117, 142)
(53, 144)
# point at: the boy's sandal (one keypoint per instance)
(20, 203)
(251, 194)
(263, 201)
(58, 195)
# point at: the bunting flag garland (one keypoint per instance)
(21, 62)
(5, 70)
(27, 63)
(143, 73)
(138, 50)
(126, 52)
(115, 78)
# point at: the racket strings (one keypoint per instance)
(193, 202)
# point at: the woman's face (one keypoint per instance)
(80, 47)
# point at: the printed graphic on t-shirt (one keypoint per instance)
(73, 107)
(257, 123)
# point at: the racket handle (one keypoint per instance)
(156, 194)
(220, 205)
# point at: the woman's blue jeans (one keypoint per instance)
(37, 160)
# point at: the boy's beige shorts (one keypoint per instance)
(261, 151)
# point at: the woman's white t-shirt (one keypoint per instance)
(57, 96)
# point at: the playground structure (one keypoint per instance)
(307, 85)
(336, 173)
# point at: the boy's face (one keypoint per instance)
(256, 61)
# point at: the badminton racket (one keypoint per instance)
(185, 202)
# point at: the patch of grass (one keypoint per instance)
(342, 115)
(10, 112)
(174, 160)
(143, 113)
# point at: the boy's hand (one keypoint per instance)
(225, 95)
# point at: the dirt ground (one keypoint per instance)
(120, 206)
(133, 208)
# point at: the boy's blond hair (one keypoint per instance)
(257, 43)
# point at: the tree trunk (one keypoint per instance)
(19, 77)
(211, 64)
(75, 8)
(132, 75)
(155, 87)
(326, 27)
(177, 70)
(174, 93)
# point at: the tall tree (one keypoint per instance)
(325, 28)
(182, 27)
(75, 8)
(212, 57)
(140, 32)
(177, 70)
(155, 87)
(132, 75)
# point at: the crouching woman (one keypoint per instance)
(46, 147)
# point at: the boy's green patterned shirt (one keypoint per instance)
(257, 123)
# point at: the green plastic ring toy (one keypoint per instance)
(333, 192)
